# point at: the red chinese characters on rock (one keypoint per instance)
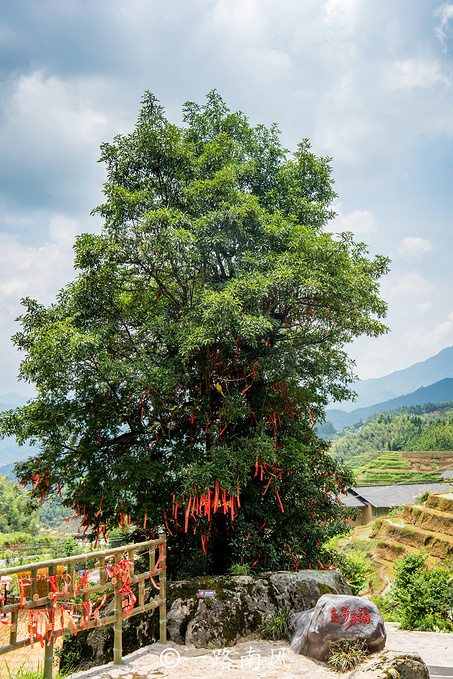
(361, 615)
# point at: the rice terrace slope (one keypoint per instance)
(427, 525)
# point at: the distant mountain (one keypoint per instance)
(440, 392)
(11, 452)
(7, 470)
(11, 400)
(381, 389)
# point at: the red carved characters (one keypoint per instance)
(361, 615)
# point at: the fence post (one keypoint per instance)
(48, 653)
(163, 593)
(118, 624)
(13, 628)
(37, 600)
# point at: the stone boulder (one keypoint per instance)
(337, 618)
(236, 613)
(242, 604)
(392, 665)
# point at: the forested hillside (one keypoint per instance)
(415, 428)
(14, 515)
(437, 436)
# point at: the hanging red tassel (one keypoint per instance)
(278, 496)
(216, 496)
(166, 522)
(232, 506)
(186, 522)
(224, 500)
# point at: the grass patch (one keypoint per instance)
(345, 655)
(239, 569)
(276, 626)
(25, 672)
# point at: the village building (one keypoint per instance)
(375, 501)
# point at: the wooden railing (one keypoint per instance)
(58, 601)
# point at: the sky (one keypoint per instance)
(369, 82)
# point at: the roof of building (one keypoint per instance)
(395, 495)
(447, 474)
(352, 501)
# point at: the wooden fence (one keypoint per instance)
(59, 600)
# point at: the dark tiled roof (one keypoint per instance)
(351, 501)
(395, 495)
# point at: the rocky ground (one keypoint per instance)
(257, 659)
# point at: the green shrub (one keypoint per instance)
(72, 659)
(424, 599)
(355, 568)
(14, 538)
(386, 606)
(68, 547)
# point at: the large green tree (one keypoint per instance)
(180, 375)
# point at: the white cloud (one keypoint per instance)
(420, 338)
(413, 73)
(244, 15)
(410, 344)
(424, 307)
(359, 222)
(412, 247)
(63, 230)
(36, 271)
(340, 12)
(445, 12)
(404, 287)
(50, 132)
(60, 111)
(27, 271)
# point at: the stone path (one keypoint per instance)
(257, 659)
(436, 672)
(436, 649)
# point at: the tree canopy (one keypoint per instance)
(180, 375)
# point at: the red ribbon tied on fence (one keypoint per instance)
(122, 570)
(35, 621)
(54, 591)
